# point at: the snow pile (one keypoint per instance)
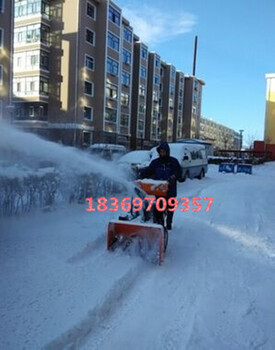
(39, 173)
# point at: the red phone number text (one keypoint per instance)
(172, 204)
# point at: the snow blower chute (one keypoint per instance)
(140, 226)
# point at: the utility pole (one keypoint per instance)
(195, 55)
(241, 139)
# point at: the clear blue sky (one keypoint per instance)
(236, 49)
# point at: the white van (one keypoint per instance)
(192, 159)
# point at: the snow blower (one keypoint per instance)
(139, 227)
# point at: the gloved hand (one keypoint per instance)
(172, 179)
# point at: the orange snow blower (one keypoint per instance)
(140, 225)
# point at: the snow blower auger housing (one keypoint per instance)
(141, 226)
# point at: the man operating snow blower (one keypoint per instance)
(166, 168)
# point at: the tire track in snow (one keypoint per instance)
(97, 317)
(89, 250)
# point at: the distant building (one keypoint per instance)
(6, 30)
(269, 134)
(219, 135)
(192, 106)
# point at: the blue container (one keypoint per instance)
(227, 167)
(244, 168)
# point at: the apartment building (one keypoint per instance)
(139, 96)
(192, 106)
(73, 70)
(81, 76)
(167, 100)
(269, 133)
(153, 113)
(179, 100)
(6, 25)
(219, 135)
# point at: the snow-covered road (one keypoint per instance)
(61, 289)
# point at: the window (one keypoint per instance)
(125, 78)
(32, 60)
(33, 33)
(126, 56)
(88, 88)
(144, 52)
(155, 96)
(90, 10)
(89, 62)
(44, 86)
(112, 66)
(110, 115)
(142, 108)
(156, 79)
(45, 34)
(111, 91)
(20, 8)
(88, 113)
(140, 125)
(86, 138)
(33, 7)
(1, 75)
(113, 41)
(19, 61)
(173, 73)
(114, 16)
(124, 99)
(142, 90)
(44, 60)
(1, 37)
(157, 62)
(124, 120)
(195, 155)
(2, 6)
(143, 72)
(127, 34)
(31, 111)
(32, 86)
(18, 87)
(172, 90)
(45, 9)
(90, 36)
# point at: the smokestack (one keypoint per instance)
(195, 55)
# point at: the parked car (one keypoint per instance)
(192, 159)
(107, 151)
(131, 162)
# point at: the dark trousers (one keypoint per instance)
(158, 215)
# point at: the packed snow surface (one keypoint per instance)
(61, 289)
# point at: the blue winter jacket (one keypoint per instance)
(167, 168)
